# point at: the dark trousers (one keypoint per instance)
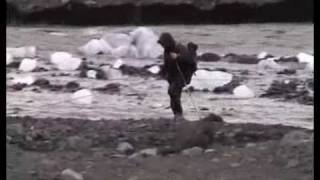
(175, 89)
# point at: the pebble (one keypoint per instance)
(194, 151)
(125, 148)
(215, 160)
(69, 174)
(234, 165)
(292, 163)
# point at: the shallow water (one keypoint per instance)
(277, 39)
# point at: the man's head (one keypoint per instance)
(167, 41)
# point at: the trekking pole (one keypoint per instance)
(189, 92)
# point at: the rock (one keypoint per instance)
(15, 130)
(92, 74)
(241, 59)
(83, 96)
(234, 165)
(229, 87)
(209, 57)
(72, 86)
(112, 73)
(28, 65)
(209, 80)
(125, 148)
(295, 138)
(215, 160)
(292, 163)
(243, 92)
(287, 72)
(9, 59)
(149, 152)
(250, 145)
(22, 52)
(41, 82)
(287, 59)
(195, 151)
(118, 64)
(117, 39)
(78, 143)
(69, 174)
(95, 46)
(270, 64)
(146, 42)
(111, 88)
(154, 69)
(28, 80)
(64, 61)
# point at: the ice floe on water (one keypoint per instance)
(83, 96)
(22, 52)
(9, 59)
(28, 65)
(243, 91)
(64, 61)
(95, 46)
(209, 80)
(28, 80)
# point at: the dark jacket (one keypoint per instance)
(185, 61)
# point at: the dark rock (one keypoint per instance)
(18, 86)
(78, 143)
(111, 88)
(209, 57)
(14, 64)
(287, 72)
(241, 59)
(292, 59)
(72, 86)
(228, 88)
(15, 130)
(43, 83)
(136, 71)
(288, 90)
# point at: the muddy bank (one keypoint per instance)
(99, 12)
(43, 148)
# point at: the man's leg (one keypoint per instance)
(174, 91)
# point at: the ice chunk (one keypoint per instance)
(28, 65)
(243, 91)
(92, 74)
(146, 42)
(22, 52)
(305, 58)
(209, 80)
(64, 61)
(262, 55)
(154, 69)
(95, 46)
(9, 59)
(28, 80)
(83, 96)
(118, 64)
(117, 39)
(270, 64)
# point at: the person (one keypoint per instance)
(178, 68)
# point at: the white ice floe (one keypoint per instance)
(270, 64)
(28, 80)
(243, 91)
(305, 58)
(9, 59)
(262, 55)
(28, 65)
(92, 74)
(154, 69)
(64, 61)
(58, 34)
(146, 42)
(95, 46)
(310, 67)
(118, 64)
(22, 52)
(117, 39)
(83, 96)
(209, 80)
